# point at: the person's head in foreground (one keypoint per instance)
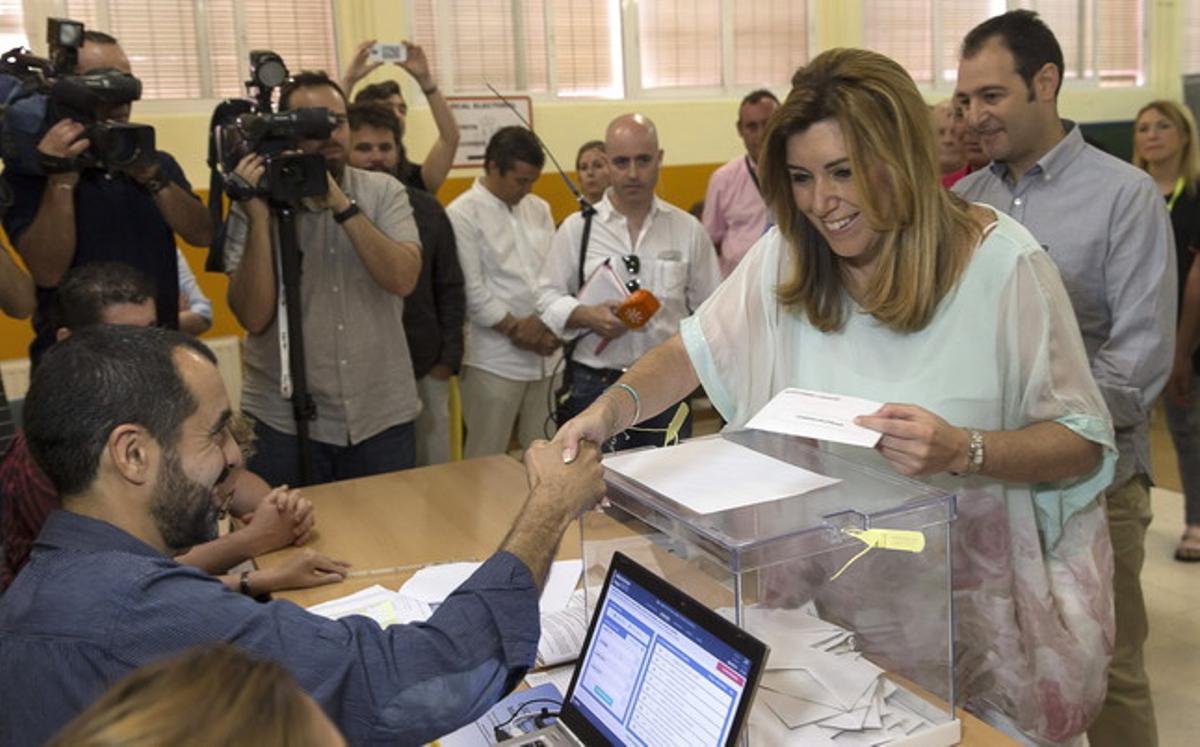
(214, 694)
(850, 170)
(132, 423)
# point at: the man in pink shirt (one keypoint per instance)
(735, 215)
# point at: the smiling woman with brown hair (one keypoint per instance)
(878, 283)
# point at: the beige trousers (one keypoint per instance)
(1127, 718)
(491, 404)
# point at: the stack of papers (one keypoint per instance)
(382, 605)
(564, 621)
(715, 474)
(432, 584)
(818, 690)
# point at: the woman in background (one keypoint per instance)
(1165, 145)
(591, 163)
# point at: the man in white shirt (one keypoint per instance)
(644, 243)
(503, 233)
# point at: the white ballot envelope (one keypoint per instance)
(819, 415)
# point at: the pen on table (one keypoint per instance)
(406, 568)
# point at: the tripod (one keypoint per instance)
(303, 407)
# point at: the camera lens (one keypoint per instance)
(290, 172)
(271, 73)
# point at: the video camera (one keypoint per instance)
(250, 125)
(36, 93)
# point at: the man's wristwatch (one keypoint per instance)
(348, 213)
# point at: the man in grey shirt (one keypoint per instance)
(1105, 226)
(361, 256)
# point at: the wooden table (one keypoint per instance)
(388, 526)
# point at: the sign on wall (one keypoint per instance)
(478, 119)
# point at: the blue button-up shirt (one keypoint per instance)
(1107, 230)
(94, 603)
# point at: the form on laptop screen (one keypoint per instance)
(651, 676)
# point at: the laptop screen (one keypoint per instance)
(659, 668)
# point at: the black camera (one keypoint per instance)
(40, 92)
(250, 125)
(290, 176)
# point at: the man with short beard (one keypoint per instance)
(361, 257)
(131, 426)
(116, 293)
(436, 309)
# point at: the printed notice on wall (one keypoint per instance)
(478, 119)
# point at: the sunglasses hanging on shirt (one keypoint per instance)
(633, 265)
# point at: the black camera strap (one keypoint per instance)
(564, 390)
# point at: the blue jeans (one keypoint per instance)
(276, 458)
(584, 384)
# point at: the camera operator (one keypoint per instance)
(360, 257)
(76, 217)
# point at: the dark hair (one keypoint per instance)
(511, 144)
(306, 79)
(756, 96)
(374, 114)
(378, 92)
(1030, 40)
(96, 379)
(589, 145)
(98, 37)
(86, 291)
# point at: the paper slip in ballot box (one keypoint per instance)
(846, 578)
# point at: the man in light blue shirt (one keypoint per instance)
(1105, 226)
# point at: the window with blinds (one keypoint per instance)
(574, 47)
(195, 49)
(510, 45)
(770, 40)
(1191, 38)
(1102, 40)
(12, 25)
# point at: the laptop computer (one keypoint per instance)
(657, 668)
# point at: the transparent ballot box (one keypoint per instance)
(849, 584)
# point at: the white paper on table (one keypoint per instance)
(560, 585)
(559, 676)
(433, 583)
(563, 632)
(381, 605)
(715, 474)
(819, 415)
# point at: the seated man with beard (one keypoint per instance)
(132, 426)
(116, 293)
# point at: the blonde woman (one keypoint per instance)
(591, 164)
(878, 283)
(1165, 145)
(208, 695)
